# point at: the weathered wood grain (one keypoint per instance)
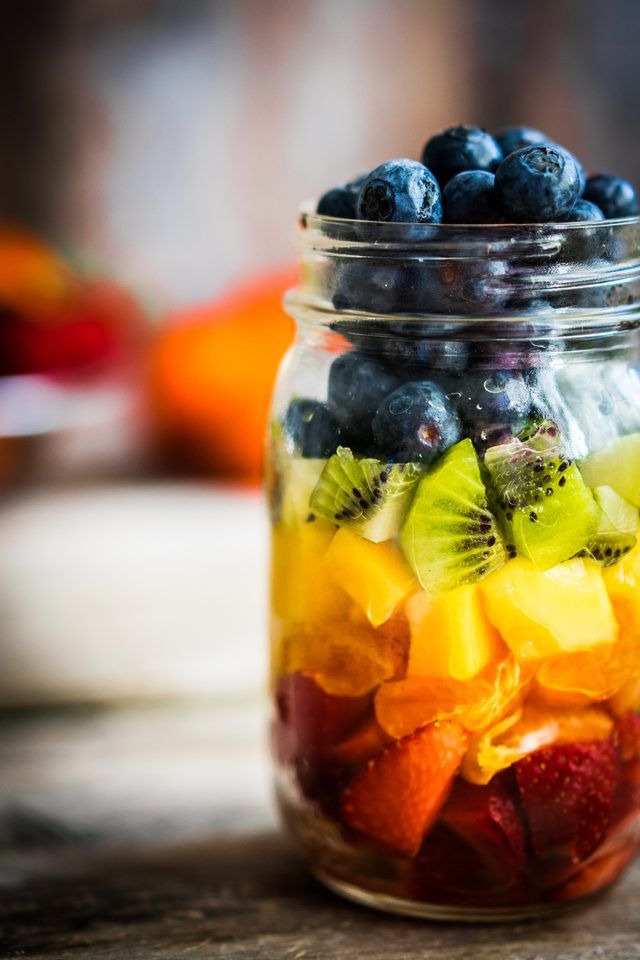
(249, 898)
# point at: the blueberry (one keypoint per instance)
(537, 185)
(491, 404)
(615, 197)
(312, 427)
(469, 198)
(400, 191)
(341, 201)
(584, 211)
(416, 355)
(379, 286)
(357, 385)
(458, 149)
(415, 423)
(515, 138)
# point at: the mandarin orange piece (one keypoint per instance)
(585, 677)
(403, 706)
(526, 730)
(345, 660)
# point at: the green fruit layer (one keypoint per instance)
(617, 466)
(370, 496)
(450, 536)
(546, 509)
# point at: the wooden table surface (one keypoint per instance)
(147, 832)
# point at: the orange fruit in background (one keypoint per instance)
(34, 281)
(212, 374)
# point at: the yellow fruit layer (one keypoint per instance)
(521, 659)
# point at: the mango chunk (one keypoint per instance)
(302, 588)
(587, 676)
(542, 614)
(450, 634)
(375, 575)
(526, 730)
(622, 581)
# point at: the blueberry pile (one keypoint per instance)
(469, 176)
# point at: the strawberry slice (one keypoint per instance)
(489, 819)
(367, 740)
(398, 795)
(567, 794)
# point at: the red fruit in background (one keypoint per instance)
(308, 721)
(398, 795)
(567, 794)
(99, 324)
(212, 373)
(489, 819)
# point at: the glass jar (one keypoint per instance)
(454, 482)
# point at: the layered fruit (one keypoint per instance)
(456, 630)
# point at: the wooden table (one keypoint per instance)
(146, 832)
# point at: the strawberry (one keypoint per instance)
(309, 721)
(628, 736)
(398, 795)
(363, 743)
(567, 794)
(488, 818)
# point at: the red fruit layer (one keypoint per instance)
(397, 796)
(567, 794)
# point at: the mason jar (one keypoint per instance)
(454, 484)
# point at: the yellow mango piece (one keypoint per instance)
(403, 706)
(526, 730)
(347, 660)
(450, 635)
(545, 613)
(622, 581)
(375, 575)
(302, 588)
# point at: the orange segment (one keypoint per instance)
(579, 678)
(526, 730)
(346, 661)
(403, 706)
(544, 613)
(450, 635)
(375, 575)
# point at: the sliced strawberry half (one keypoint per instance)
(567, 794)
(398, 795)
(489, 819)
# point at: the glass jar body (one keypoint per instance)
(455, 604)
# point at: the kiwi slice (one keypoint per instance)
(370, 496)
(450, 536)
(616, 533)
(299, 478)
(617, 466)
(544, 505)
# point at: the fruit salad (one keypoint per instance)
(455, 615)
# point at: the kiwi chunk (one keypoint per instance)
(544, 505)
(370, 496)
(299, 478)
(450, 536)
(616, 533)
(617, 466)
